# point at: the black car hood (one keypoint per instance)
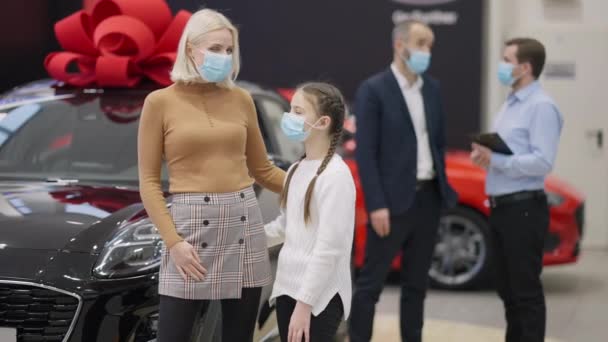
(42, 216)
(24, 264)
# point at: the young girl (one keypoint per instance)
(313, 283)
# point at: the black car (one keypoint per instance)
(79, 258)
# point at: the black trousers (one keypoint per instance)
(322, 328)
(177, 317)
(415, 235)
(518, 233)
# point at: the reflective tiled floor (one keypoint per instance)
(440, 331)
(577, 299)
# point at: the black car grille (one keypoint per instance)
(39, 314)
(580, 219)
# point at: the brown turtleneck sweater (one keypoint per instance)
(211, 141)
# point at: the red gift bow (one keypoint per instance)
(116, 43)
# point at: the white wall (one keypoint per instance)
(504, 18)
(576, 32)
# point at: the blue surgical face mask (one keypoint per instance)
(419, 61)
(216, 67)
(505, 74)
(293, 127)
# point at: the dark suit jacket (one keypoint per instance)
(387, 146)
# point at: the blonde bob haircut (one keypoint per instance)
(201, 23)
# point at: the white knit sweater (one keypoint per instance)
(314, 263)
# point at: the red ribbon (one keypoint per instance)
(116, 43)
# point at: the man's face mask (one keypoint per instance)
(419, 61)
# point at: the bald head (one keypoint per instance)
(404, 29)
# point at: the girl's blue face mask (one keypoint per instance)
(216, 67)
(293, 126)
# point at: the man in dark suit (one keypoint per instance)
(400, 155)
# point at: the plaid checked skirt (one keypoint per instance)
(227, 231)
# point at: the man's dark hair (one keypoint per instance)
(531, 51)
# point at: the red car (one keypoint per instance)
(462, 254)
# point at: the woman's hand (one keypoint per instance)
(299, 325)
(187, 261)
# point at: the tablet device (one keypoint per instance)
(493, 141)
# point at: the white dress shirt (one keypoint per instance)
(412, 95)
(314, 263)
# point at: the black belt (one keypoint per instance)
(496, 201)
(424, 183)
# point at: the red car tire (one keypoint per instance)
(463, 253)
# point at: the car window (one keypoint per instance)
(96, 139)
(266, 135)
(70, 141)
(273, 113)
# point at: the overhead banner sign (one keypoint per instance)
(434, 17)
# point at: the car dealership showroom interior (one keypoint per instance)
(321, 170)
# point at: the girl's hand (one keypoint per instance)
(299, 325)
(187, 261)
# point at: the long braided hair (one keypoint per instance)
(328, 101)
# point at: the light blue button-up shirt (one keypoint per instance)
(530, 124)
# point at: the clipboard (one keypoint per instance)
(493, 141)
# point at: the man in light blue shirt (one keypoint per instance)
(530, 124)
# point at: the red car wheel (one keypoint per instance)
(462, 257)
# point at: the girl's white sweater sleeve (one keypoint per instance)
(335, 198)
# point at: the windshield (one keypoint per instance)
(79, 139)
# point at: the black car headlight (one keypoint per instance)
(134, 250)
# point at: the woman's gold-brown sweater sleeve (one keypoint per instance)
(263, 171)
(150, 142)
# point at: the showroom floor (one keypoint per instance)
(577, 300)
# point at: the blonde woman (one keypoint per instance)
(206, 130)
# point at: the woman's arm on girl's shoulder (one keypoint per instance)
(275, 230)
(335, 199)
(264, 172)
(150, 145)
